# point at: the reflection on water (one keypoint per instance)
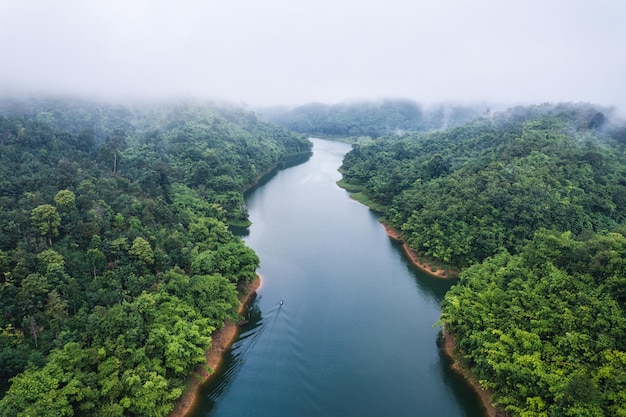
(434, 287)
(460, 387)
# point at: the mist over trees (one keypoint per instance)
(530, 203)
(116, 260)
(461, 195)
(371, 118)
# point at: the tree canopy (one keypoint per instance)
(461, 195)
(546, 328)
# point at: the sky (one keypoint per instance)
(291, 52)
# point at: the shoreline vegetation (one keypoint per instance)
(526, 197)
(431, 268)
(221, 340)
(419, 261)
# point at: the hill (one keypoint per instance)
(530, 203)
(116, 258)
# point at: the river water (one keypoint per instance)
(354, 334)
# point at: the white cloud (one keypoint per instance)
(281, 51)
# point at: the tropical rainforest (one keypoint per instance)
(116, 258)
(371, 118)
(529, 204)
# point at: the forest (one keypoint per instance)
(529, 204)
(371, 118)
(117, 261)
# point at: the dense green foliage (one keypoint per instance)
(547, 328)
(460, 195)
(374, 119)
(116, 261)
(531, 202)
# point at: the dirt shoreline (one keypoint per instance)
(221, 340)
(448, 346)
(417, 261)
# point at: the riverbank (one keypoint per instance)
(448, 342)
(418, 261)
(221, 340)
(448, 346)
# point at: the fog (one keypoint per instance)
(291, 52)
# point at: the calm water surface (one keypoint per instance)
(354, 335)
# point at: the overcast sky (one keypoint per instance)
(292, 52)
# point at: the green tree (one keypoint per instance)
(56, 309)
(116, 142)
(142, 250)
(437, 166)
(65, 200)
(46, 218)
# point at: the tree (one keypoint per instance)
(56, 309)
(142, 250)
(46, 218)
(53, 262)
(116, 142)
(437, 166)
(65, 200)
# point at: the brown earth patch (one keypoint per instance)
(419, 261)
(448, 346)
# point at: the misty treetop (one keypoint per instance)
(371, 118)
(116, 260)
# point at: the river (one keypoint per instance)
(354, 334)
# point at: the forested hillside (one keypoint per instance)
(532, 203)
(116, 261)
(371, 118)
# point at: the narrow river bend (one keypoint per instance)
(354, 335)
